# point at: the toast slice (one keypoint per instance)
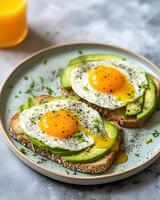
(97, 167)
(117, 115)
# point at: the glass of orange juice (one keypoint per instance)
(13, 22)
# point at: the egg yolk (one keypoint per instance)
(100, 141)
(125, 93)
(121, 158)
(62, 123)
(107, 79)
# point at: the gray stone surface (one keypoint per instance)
(131, 24)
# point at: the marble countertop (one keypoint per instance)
(134, 25)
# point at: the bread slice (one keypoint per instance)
(117, 115)
(97, 167)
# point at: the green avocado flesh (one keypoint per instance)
(150, 99)
(31, 101)
(57, 98)
(111, 129)
(77, 62)
(88, 156)
(134, 107)
(94, 153)
(57, 151)
(93, 57)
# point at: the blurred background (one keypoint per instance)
(131, 24)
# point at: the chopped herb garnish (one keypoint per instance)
(137, 155)
(148, 140)
(85, 88)
(22, 150)
(75, 173)
(156, 133)
(32, 85)
(53, 72)
(78, 111)
(28, 91)
(79, 136)
(50, 91)
(42, 81)
(67, 171)
(46, 106)
(20, 92)
(45, 61)
(82, 139)
(96, 125)
(16, 96)
(32, 120)
(80, 52)
(96, 120)
(34, 154)
(26, 78)
(143, 85)
(136, 182)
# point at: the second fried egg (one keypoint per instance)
(109, 84)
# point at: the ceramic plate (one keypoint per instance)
(46, 66)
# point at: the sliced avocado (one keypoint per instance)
(111, 129)
(94, 153)
(56, 98)
(91, 155)
(29, 103)
(93, 57)
(57, 151)
(134, 107)
(150, 99)
(66, 73)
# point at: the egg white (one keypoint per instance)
(29, 120)
(79, 81)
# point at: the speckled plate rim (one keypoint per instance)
(98, 179)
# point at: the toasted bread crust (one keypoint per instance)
(99, 166)
(117, 115)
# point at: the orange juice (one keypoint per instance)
(13, 22)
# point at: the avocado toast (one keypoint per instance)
(135, 113)
(89, 160)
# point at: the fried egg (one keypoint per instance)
(56, 123)
(109, 84)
